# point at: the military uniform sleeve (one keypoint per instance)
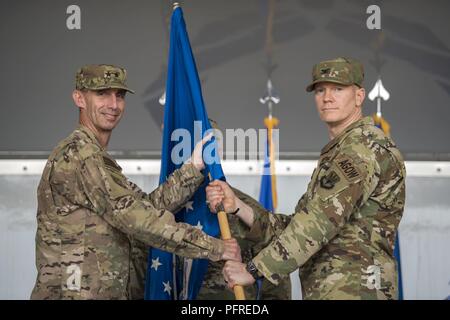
(338, 191)
(266, 225)
(179, 188)
(138, 269)
(109, 195)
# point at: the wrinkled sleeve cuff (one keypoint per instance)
(256, 232)
(191, 174)
(217, 249)
(265, 271)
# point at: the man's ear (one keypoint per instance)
(79, 99)
(360, 96)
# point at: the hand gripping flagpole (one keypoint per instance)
(226, 234)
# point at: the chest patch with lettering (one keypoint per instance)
(348, 168)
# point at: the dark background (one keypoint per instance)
(39, 58)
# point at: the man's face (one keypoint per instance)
(103, 109)
(336, 103)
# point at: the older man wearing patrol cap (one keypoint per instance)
(342, 233)
(93, 223)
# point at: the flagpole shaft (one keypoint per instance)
(226, 234)
(379, 107)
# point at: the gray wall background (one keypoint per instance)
(39, 57)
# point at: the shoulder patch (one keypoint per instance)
(329, 181)
(111, 163)
(347, 167)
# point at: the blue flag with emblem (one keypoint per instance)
(184, 113)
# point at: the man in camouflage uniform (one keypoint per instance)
(94, 224)
(342, 233)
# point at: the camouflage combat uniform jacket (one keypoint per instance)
(214, 286)
(93, 224)
(343, 230)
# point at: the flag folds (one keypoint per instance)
(184, 116)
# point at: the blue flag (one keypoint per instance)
(266, 193)
(184, 113)
(399, 267)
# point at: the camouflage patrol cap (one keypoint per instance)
(101, 76)
(341, 70)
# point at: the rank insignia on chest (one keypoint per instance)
(347, 167)
(329, 181)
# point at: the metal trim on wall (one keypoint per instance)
(240, 167)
